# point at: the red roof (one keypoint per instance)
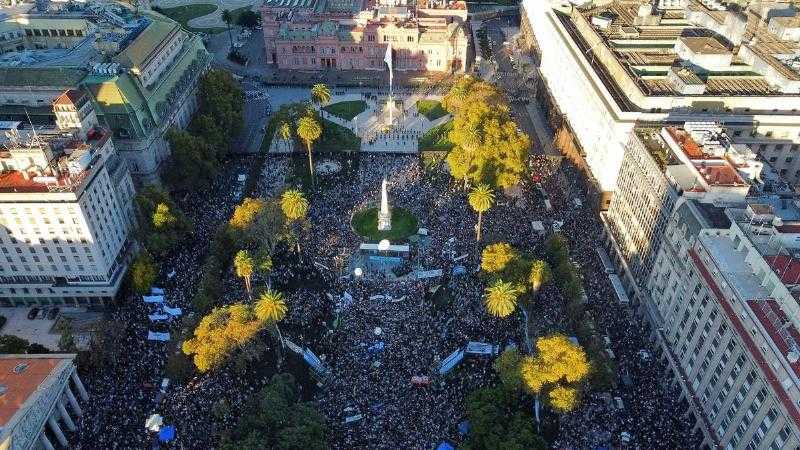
(789, 228)
(769, 312)
(748, 341)
(20, 386)
(688, 145)
(70, 97)
(717, 175)
(786, 267)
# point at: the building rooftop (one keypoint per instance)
(704, 44)
(733, 266)
(744, 334)
(644, 45)
(785, 266)
(63, 162)
(20, 378)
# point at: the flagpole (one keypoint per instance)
(388, 59)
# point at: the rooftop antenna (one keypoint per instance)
(35, 139)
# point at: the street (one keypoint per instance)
(520, 91)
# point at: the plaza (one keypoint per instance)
(378, 132)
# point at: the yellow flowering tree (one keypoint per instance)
(223, 331)
(557, 365)
(495, 257)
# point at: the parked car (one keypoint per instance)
(33, 313)
(51, 315)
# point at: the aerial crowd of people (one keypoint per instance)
(379, 336)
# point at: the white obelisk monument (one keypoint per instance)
(384, 215)
(388, 60)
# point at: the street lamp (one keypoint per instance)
(358, 272)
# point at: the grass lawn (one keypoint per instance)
(346, 110)
(432, 109)
(404, 224)
(235, 13)
(436, 138)
(336, 138)
(183, 14)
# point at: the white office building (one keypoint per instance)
(66, 210)
(611, 67)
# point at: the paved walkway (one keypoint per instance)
(213, 20)
(372, 125)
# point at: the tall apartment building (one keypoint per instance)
(66, 210)
(611, 67)
(139, 68)
(663, 164)
(706, 237)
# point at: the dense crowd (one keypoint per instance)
(375, 332)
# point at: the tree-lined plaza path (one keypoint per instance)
(365, 112)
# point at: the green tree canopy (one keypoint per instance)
(277, 419)
(498, 420)
(144, 273)
(10, 344)
(507, 366)
(162, 225)
(222, 99)
(249, 19)
(193, 164)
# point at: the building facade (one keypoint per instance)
(40, 394)
(66, 210)
(703, 234)
(612, 67)
(139, 68)
(337, 38)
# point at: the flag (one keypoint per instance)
(388, 58)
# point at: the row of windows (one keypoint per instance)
(66, 268)
(53, 33)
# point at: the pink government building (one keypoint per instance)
(354, 35)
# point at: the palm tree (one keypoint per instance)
(271, 307)
(540, 275)
(227, 17)
(264, 264)
(481, 199)
(309, 130)
(320, 94)
(294, 206)
(243, 264)
(285, 132)
(501, 298)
